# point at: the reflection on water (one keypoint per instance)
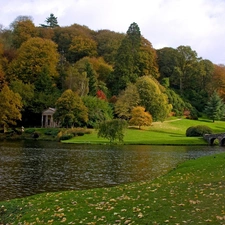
(28, 168)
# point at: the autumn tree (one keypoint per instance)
(218, 81)
(71, 110)
(33, 56)
(147, 62)
(10, 107)
(82, 46)
(126, 101)
(152, 98)
(112, 130)
(215, 107)
(23, 30)
(139, 117)
(3, 62)
(101, 68)
(108, 43)
(63, 37)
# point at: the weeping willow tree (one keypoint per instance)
(112, 130)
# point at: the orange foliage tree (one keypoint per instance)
(140, 117)
(218, 82)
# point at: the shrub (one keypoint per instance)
(198, 131)
(36, 135)
(77, 131)
(70, 133)
(66, 137)
(52, 132)
(30, 130)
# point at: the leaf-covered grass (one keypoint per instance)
(171, 132)
(193, 193)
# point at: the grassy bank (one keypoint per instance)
(193, 193)
(170, 132)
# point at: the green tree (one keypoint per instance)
(127, 100)
(187, 65)
(112, 130)
(77, 79)
(46, 92)
(26, 91)
(215, 107)
(71, 110)
(51, 21)
(127, 61)
(92, 79)
(10, 107)
(108, 43)
(139, 117)
(167, 60)
(152, 98)
(98, 110)
(179, 105)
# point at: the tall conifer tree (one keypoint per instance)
(126, 64)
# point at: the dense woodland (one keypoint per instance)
(92, 76)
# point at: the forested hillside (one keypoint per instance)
(91, 76)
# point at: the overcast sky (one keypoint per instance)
(165, 23)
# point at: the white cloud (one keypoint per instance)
(165, 23)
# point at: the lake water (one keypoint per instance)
(31, 167)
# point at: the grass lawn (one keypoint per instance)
(171, 132)
(193, 193)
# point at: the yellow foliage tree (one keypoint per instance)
(82, 46)
(35, 56)
(10, 107)
(23, 29)
(140, 117)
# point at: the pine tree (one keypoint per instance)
(215, 107)
(51, 22)
(126, 65)
(92, 80)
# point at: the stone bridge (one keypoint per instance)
(210, 138)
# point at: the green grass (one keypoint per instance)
(171, 132)
(193, 193)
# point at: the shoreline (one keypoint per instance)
(187, 188)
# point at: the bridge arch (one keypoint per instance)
(211, 141)
(210, 138)
(222, 142)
